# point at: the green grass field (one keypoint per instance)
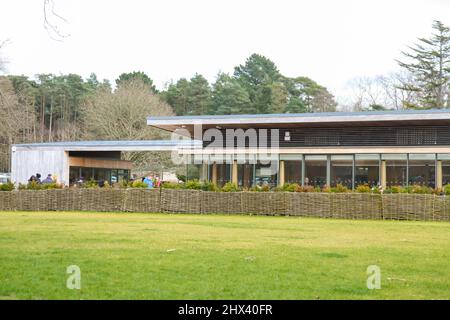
(161, 256)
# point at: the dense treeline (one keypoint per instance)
(255, 87)
(67, 107)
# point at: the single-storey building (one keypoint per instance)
(71, 161)
(349, 148)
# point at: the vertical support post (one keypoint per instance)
(281, 172)
(234, 172)
(214, 173)
(254, 174)
(303, 170)
(329, 170)
(383, 174)
(439, 174)
(407, 169)
(204, 175)
(353, 172)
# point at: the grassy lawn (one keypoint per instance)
(161, 256)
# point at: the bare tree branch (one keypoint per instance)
(52, 27)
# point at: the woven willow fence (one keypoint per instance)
(326, 205)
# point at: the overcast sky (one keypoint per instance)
(328, 41)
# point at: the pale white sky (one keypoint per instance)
(328, 41)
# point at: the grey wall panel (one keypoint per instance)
(25, 163)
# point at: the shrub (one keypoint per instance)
(181, 177)
(396, 189)
(22, 186)
(420, 189)
(324, 189)
(363, 188)
(446, 189)
(33, 185)
(288, 187)
(304, 189)
(339, 189)
(376, 190)
(139, 184)
(230, 187)
(90, 184)
(264, 188)
(171, 185)
(9, 186)
(193, 185)
(209, 186)
(115, 185)
(53, 185)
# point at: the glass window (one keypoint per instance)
(315, 170)
(223, 173)
(114, 176)
(422, 170)
(341, 170)
(293, 171)
(193, 171)
(396, 169)
(87, 174)
(367, 169)
(445, 159)
(74, 174)
(245, 175)
(223, 168)
(266, 170)
(292, 168)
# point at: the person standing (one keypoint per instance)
(149, 181)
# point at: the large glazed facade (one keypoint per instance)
(370, 148)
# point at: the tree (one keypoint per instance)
(229, 97)
(257, 76)
(278, 97)
(189, 97)
(199, 95)
(135, 75)
(17, 120)
(308, 94)
(430, 66)
(121, 115)
(177, 96)
(2, 59)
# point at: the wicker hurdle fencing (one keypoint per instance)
(308, 204)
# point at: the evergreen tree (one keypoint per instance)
(229, 97)
(430, 66)
(136, 75)
(257, 76)
(199, 95)
(177, 95)
(306, 95)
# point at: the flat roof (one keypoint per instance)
(135, 145)
(377, 118)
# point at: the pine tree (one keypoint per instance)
(229, 97)
(430, 66)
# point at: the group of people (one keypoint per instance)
(152, 182)
(37, 178)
